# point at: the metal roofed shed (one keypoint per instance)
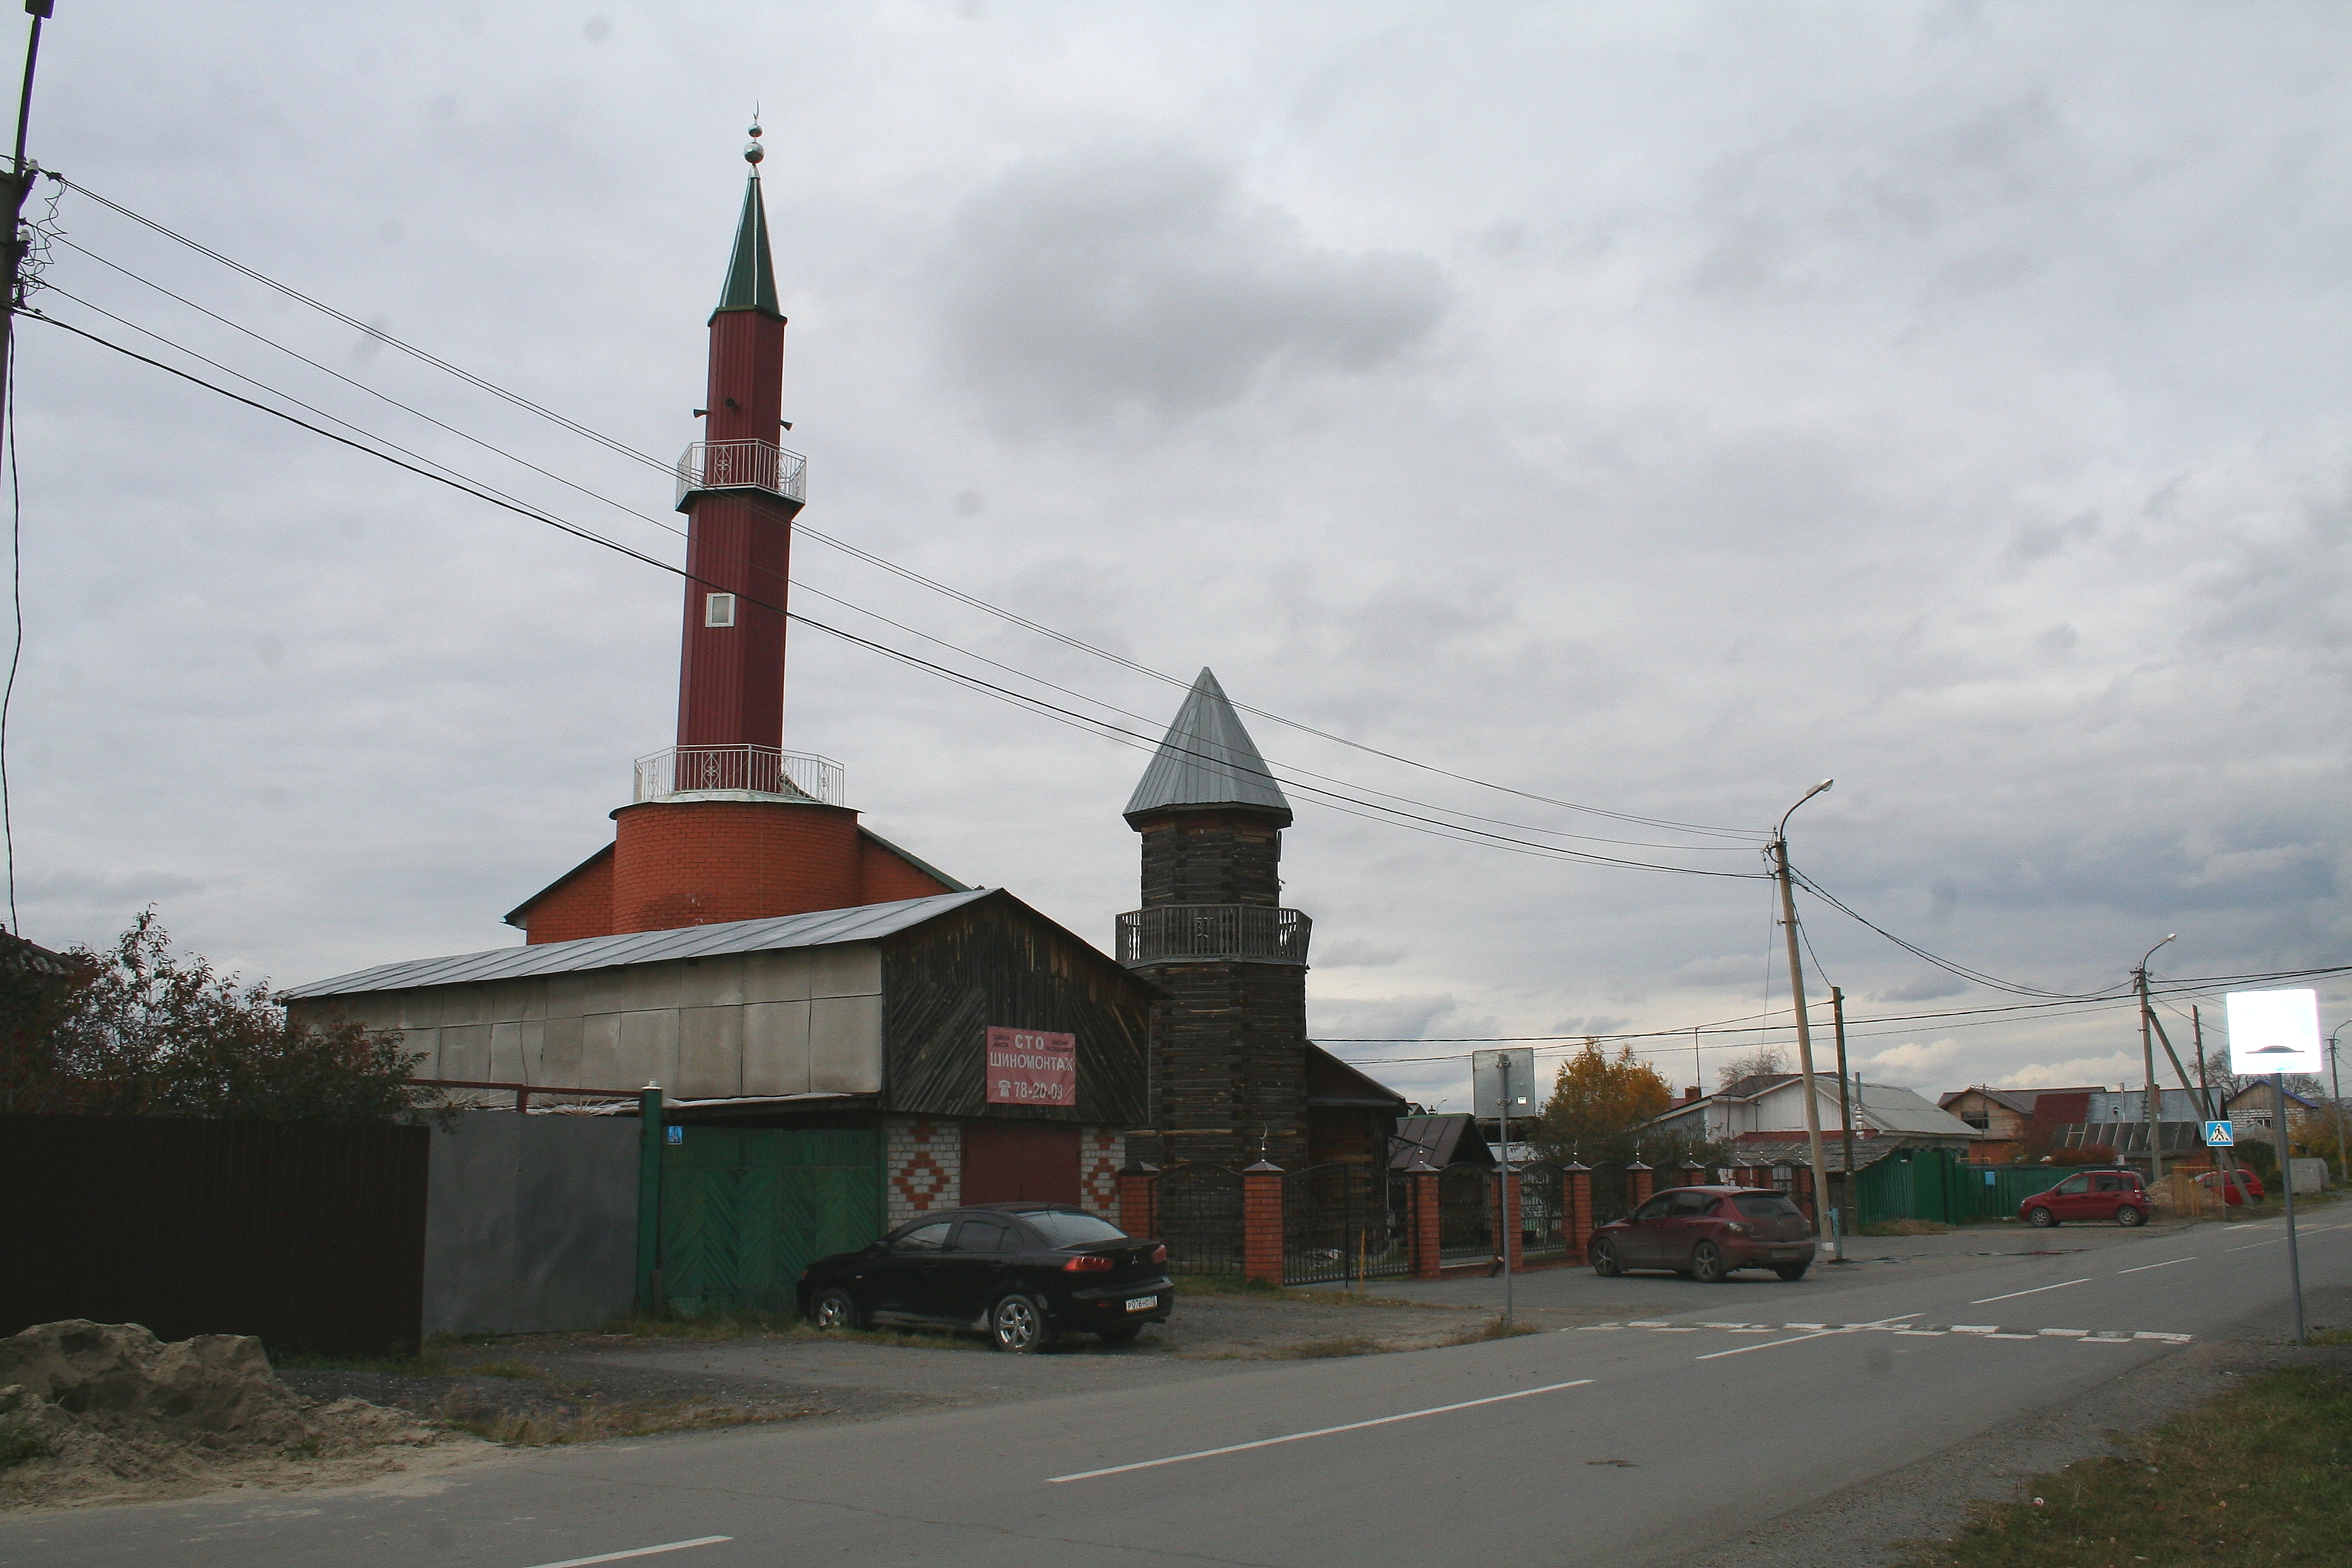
(892, 1002)
(1207, 758)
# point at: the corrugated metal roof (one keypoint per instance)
(1905, 1111)
(866, 923)
(1207, 758)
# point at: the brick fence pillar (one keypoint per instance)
(1262, 1222)
(1576, 1192)
(1423, 1235)
(1139, 1200)
(1803, 1193)
(1693, 1174)
(1512, 1239)
(1638, 1179)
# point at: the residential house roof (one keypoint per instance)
(1443, 1139)
(864, 922)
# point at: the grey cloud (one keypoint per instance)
(1085, 285)
(1357, 954)
(1926, 988)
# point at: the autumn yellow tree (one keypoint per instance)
(1597, 1102)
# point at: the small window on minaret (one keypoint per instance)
(718, 610)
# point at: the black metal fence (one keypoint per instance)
(1200, 1213)
(1612, 1193)
(1342, 1223)
(1543, 1212)
(1466, 1213)
(309, 1234)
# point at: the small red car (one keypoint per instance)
(1705, 1233)
(2236, 1187)
(2089, 1195)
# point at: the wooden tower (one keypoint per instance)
(1229, 1050)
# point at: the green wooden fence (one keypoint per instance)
(1938, 1185)
(744, 1210)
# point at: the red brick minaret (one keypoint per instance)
(726, 825)
(739, 492)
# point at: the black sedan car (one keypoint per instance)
(1024, 1274)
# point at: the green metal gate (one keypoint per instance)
(743, 1211)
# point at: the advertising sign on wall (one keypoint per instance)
(1026, 1066)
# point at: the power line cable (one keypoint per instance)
(584, 431)
(485, 487)
(1948, 966)
(1394, 817)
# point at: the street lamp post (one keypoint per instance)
(1805, 1031)
(2148, 1056)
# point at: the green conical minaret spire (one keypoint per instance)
(751, 273)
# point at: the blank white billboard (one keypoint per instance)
(2274, 1031)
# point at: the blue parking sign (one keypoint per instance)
(2219, 1135)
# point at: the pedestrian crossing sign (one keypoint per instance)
(2219, 1135)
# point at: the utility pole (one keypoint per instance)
(1804, 1030)
(2148, 1054)
(20, 184)
(2335, 1085)
(1846, 1119)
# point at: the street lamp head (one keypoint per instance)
(1800, 800)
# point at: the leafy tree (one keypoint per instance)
(142, 1031)
(1597, 1102)
(1761, 1062)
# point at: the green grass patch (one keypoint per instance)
(424, 1363)
(1495, 1328)
(717, 1326)
(514, 1369)
(1906, 1228)
(2260, 1476)
(17, 1445)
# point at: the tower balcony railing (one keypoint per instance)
(1177, 931)
(762, 770)
(742, 466)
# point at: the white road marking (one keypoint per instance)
(2013, 1295)
(2166, 1264)
(1290, 1437)
(2252, 1245)
(640, 1552)
(2067, 1333)
(1767, 1345)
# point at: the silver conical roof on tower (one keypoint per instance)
(1208, 758)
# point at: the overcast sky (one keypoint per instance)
(1655, 407)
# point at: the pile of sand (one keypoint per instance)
(107, 1412)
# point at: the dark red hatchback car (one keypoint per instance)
(2089, 1195)
(1707, 1232)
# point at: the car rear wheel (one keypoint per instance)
(834, 1309)
(2039, 1218)
(1792, 1272)
(1604, 1260)
(1017, 1324)
(1707, 1264)
(2130, 1215)
(1120, 1335)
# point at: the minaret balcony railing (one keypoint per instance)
(1180, 932)
(742, 466)
(759, 769)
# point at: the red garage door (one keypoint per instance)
(1005, 1162)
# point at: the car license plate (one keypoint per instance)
(1143, 1303)
(1787, 1254)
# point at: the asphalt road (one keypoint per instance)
(1638, 1441)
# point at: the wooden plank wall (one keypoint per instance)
(994, 963)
